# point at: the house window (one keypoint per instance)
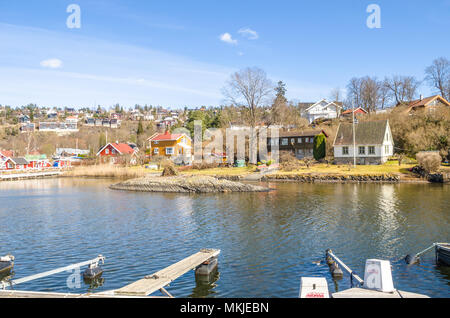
(292, 141)
(362, 150)
(284, 141)
(169, 151)
(345, 150)
(107, 151)
(299, 140)
(371, 150)
(274, 141)
(156, 151)
(386, 149)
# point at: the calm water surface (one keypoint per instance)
(268, 240)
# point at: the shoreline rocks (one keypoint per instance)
(332, 178)
(186, 184)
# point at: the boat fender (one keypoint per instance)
(411, 259)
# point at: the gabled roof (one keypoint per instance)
(166, 136)
(366, 133)
(20, 161)
(336, 104)
(120, 147)
(305, 133)
(349, 111)
(6, 153)
(425, 101)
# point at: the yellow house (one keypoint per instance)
(171, 145)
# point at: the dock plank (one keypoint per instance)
(367, 293)
(158, 280)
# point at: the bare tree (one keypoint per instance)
(438, 76)
(401, 88)
(249, 88)
(369, 93)
(354, 92)
(383, 95)
(335, 95)
(364, 92)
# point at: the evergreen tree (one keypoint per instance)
(319, 150)
(140, 129)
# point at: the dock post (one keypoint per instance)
(207, 267)
(336, 272)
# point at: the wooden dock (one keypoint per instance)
(141, 288)
(367, 293)
(30, 175)
(151, 283)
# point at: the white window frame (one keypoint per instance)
(106, 151)
(345, 150)
(299, 140)
(371, 148)
(156, 151)
(284, 141)
(363, 148)
(172, 150)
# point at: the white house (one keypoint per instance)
(373, 143)
(322, 109)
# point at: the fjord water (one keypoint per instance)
(268, 240)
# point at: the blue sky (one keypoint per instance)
(181, 53)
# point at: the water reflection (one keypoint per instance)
(205, 284)
(93, 284)
(268, 240)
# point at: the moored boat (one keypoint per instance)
(443, 253)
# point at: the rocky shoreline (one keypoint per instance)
(388, 178)
(186, 184)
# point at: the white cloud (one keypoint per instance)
(248, 33)
(240, 53)
(52, 63)
(226, 37)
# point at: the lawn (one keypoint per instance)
(221, 171)
(387, 168)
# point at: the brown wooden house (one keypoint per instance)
(301, 143)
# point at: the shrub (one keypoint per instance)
(169, 171)
(429, 161)
(319, 147)
(288, 161)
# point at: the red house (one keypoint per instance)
(4, 156)
(16, 164)
(358, 111)
(113, 150)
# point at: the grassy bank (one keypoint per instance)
(220, 171)
(387, 168)
(107, 171)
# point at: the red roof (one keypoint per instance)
(166, 136)
(123, 148)
(7, 153)
(349, 111)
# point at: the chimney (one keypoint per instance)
(421, 96)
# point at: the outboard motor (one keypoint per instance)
(92, 272)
